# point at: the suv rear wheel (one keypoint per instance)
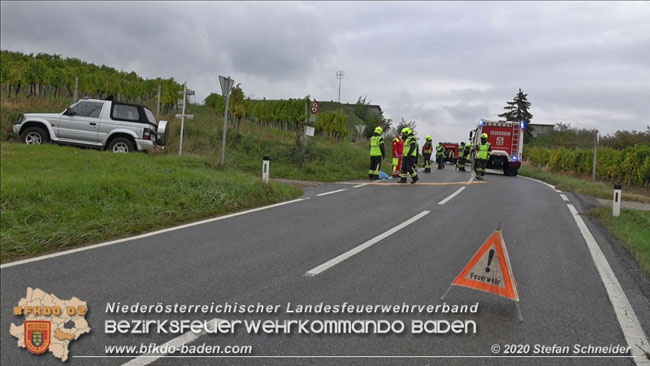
(121, 145)
(34, 136)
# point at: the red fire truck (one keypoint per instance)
(507, 140)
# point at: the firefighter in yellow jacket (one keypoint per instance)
(377, 154)
(410, 156)
(483, 151)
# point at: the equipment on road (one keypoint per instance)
(507, 141)
(489, 270)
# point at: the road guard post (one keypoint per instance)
(266, 162)
(616, 205)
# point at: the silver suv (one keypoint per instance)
(111, 125)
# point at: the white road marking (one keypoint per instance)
(627, 319)
(471, 178)
(360, 185)
(332, 262)
(113, 242)
(544, 183)
(451, 196)
(331, 192)
(177, 343)
(564, 197)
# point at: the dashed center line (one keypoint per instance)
(331, 192)
(451, 196)
(564, 197)
(332, 262)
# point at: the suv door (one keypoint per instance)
(81, 122)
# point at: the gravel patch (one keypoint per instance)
(627, 204)
(299, 183)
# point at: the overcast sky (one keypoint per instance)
(443, 64)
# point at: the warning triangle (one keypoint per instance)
(489, 269)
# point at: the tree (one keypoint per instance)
(410, 124)
(361, 108)
(517, 110)
(236, 104)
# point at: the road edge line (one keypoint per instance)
(141, 236)
(625, 315)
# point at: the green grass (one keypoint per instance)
(573, 184)
(632, 228)
(57, 197)
(325, 159)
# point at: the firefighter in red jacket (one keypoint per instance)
(398, 149)
(427, 151)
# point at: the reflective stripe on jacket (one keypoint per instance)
(375, 143)
(440, 150)
(484, 151)
(411, 146)
(427, 149)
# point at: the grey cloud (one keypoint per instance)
(440, 63)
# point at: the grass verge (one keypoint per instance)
(573, 184)
(632, 228)
(54, 197)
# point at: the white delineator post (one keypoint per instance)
(616, 206)
(265, 168)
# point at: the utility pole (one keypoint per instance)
(593, 171)
(226, 86)
(304, 146)
(183, 116)
(158, 105)
(76, 88)
(339, 75)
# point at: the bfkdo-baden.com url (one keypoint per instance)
(153, 349)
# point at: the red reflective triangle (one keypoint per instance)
(489, 269)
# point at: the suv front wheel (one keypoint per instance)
(121, 145)
(34, 136)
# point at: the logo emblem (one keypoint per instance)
(500, 141)
(37, 335)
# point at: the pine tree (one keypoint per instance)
(517, 110)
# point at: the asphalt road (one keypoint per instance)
(265, 256)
